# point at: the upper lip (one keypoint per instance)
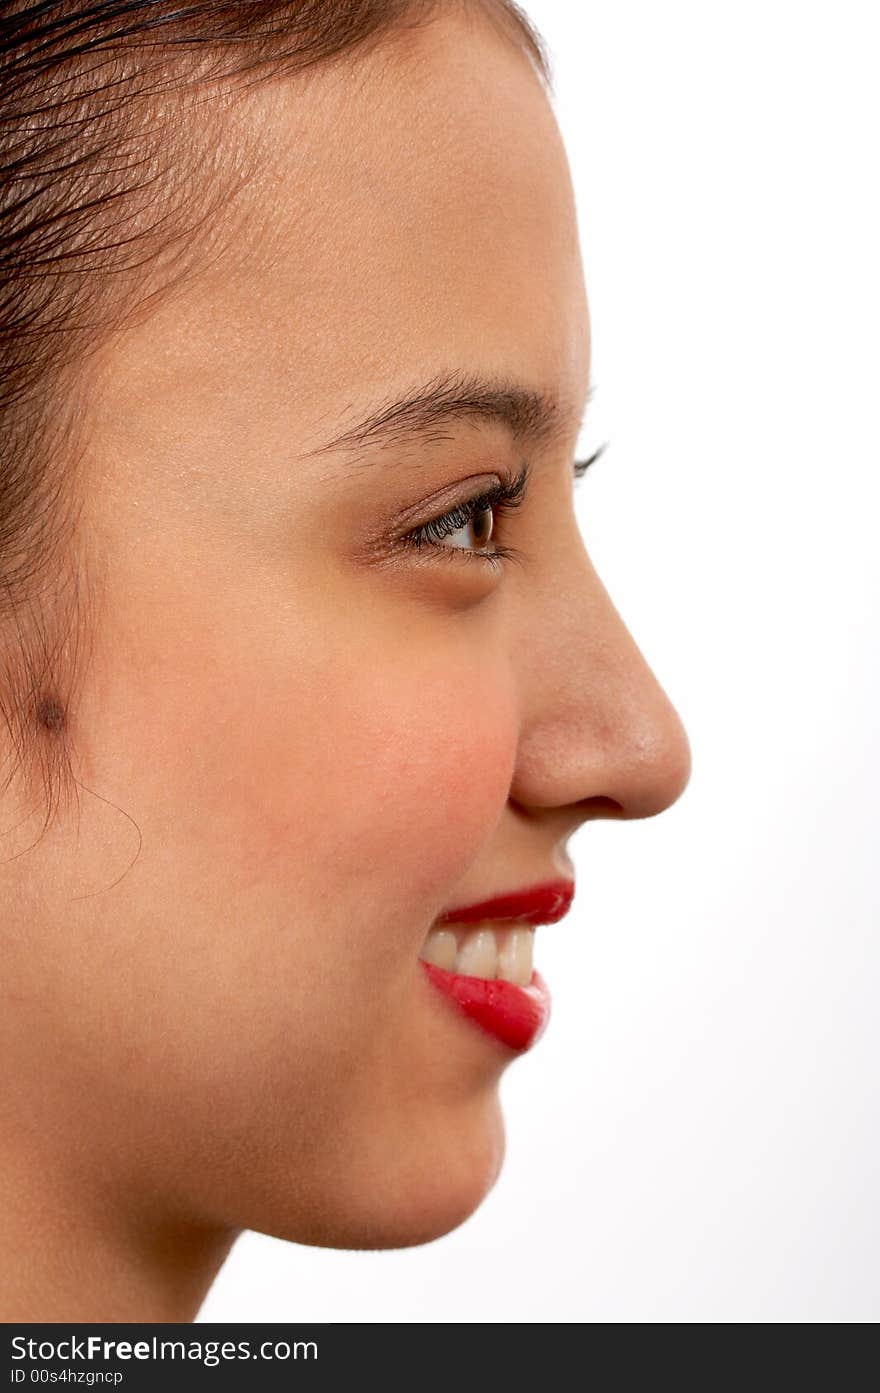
(537, 904)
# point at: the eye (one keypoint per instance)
(467, 530)
(477, 517)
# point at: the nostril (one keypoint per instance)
(601, 806)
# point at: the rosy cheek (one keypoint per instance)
(384, 789)
(436, 780)
(296, 766)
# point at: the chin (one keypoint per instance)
(410, 1194)
(442, 1197)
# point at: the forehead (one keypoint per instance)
(412, 212)
(405, 215)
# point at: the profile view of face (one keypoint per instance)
(309, 726)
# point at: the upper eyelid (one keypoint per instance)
(505, 494)
(517, 485)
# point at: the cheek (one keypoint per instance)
(434, 757)
(385, 784)
(331, 765)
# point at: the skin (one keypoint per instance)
(314, 753)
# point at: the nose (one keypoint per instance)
(598, 735)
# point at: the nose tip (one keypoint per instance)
(650, 761)
(602, 738)
(621, 751)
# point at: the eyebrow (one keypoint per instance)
(531, 415)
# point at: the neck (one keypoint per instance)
(67, 1255)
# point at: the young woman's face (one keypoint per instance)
(302, 738)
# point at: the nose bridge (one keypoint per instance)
(596, 722)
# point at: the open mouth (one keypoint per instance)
(486, 972)
(479, 956)
(483, 950)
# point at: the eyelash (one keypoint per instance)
(502, 498)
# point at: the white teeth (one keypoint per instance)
(477, 955)
(482, 951)
(440, 949)
(515, 956)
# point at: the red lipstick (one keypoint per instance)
(541, 904)
(517, 1016)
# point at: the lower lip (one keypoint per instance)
(517, 1016)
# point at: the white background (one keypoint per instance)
(696, 1136)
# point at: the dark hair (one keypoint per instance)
(102, 196)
